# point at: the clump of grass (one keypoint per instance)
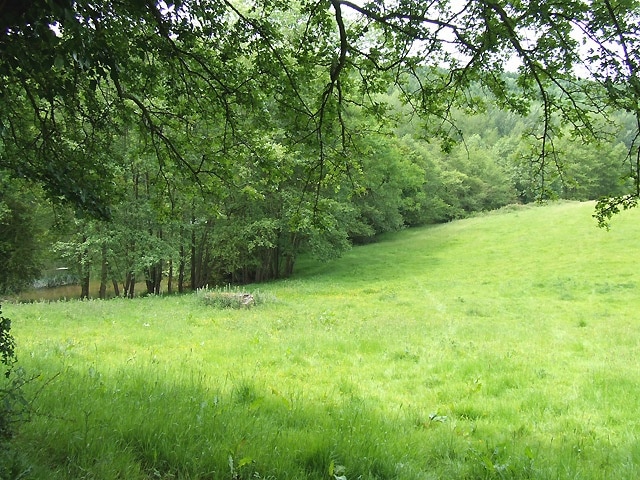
(232, 297)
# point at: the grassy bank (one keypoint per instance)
(502, 346)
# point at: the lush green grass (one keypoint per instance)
(502, 346)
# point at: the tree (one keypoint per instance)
(197, 79)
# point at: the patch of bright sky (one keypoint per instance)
(511, 62)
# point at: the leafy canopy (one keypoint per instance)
(201, 80)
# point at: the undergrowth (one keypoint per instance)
(232, 297)
(14, 407)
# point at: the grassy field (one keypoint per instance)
(503, 346)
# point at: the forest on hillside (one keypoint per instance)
(252, 226)
(203, 143)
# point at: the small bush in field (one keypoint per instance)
(7, 345)
(228, 297)
(7, 359)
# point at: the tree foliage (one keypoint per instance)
(223, 137)
(19, 235)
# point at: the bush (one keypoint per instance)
(228, 297)
(7, 359)
(7, 345)
(13, 405)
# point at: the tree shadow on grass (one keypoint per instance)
(137, 424)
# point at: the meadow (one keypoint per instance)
(503, 346)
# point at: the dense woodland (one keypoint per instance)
(200, 143)
(177, 235)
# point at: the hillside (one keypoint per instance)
(526, 257)
(502, 346)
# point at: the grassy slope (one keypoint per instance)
(502, 346)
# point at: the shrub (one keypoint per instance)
(14, 407)
(9, 389)
(228, 297)
(7, 345)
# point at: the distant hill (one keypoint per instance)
(525, 258)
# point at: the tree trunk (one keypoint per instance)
(116, 287)
(288, 267)
(181, 268)
(130, 276)
(103, 273)
(157, 280)
(194, 284)
(153, 278)
(125, 285)
(84, 286)
(290, 256)
(86, 269)
(132, 285)
(129, 284)
(150, 279)
(275, 263)
(170, 278)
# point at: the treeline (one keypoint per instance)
(271, 198)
